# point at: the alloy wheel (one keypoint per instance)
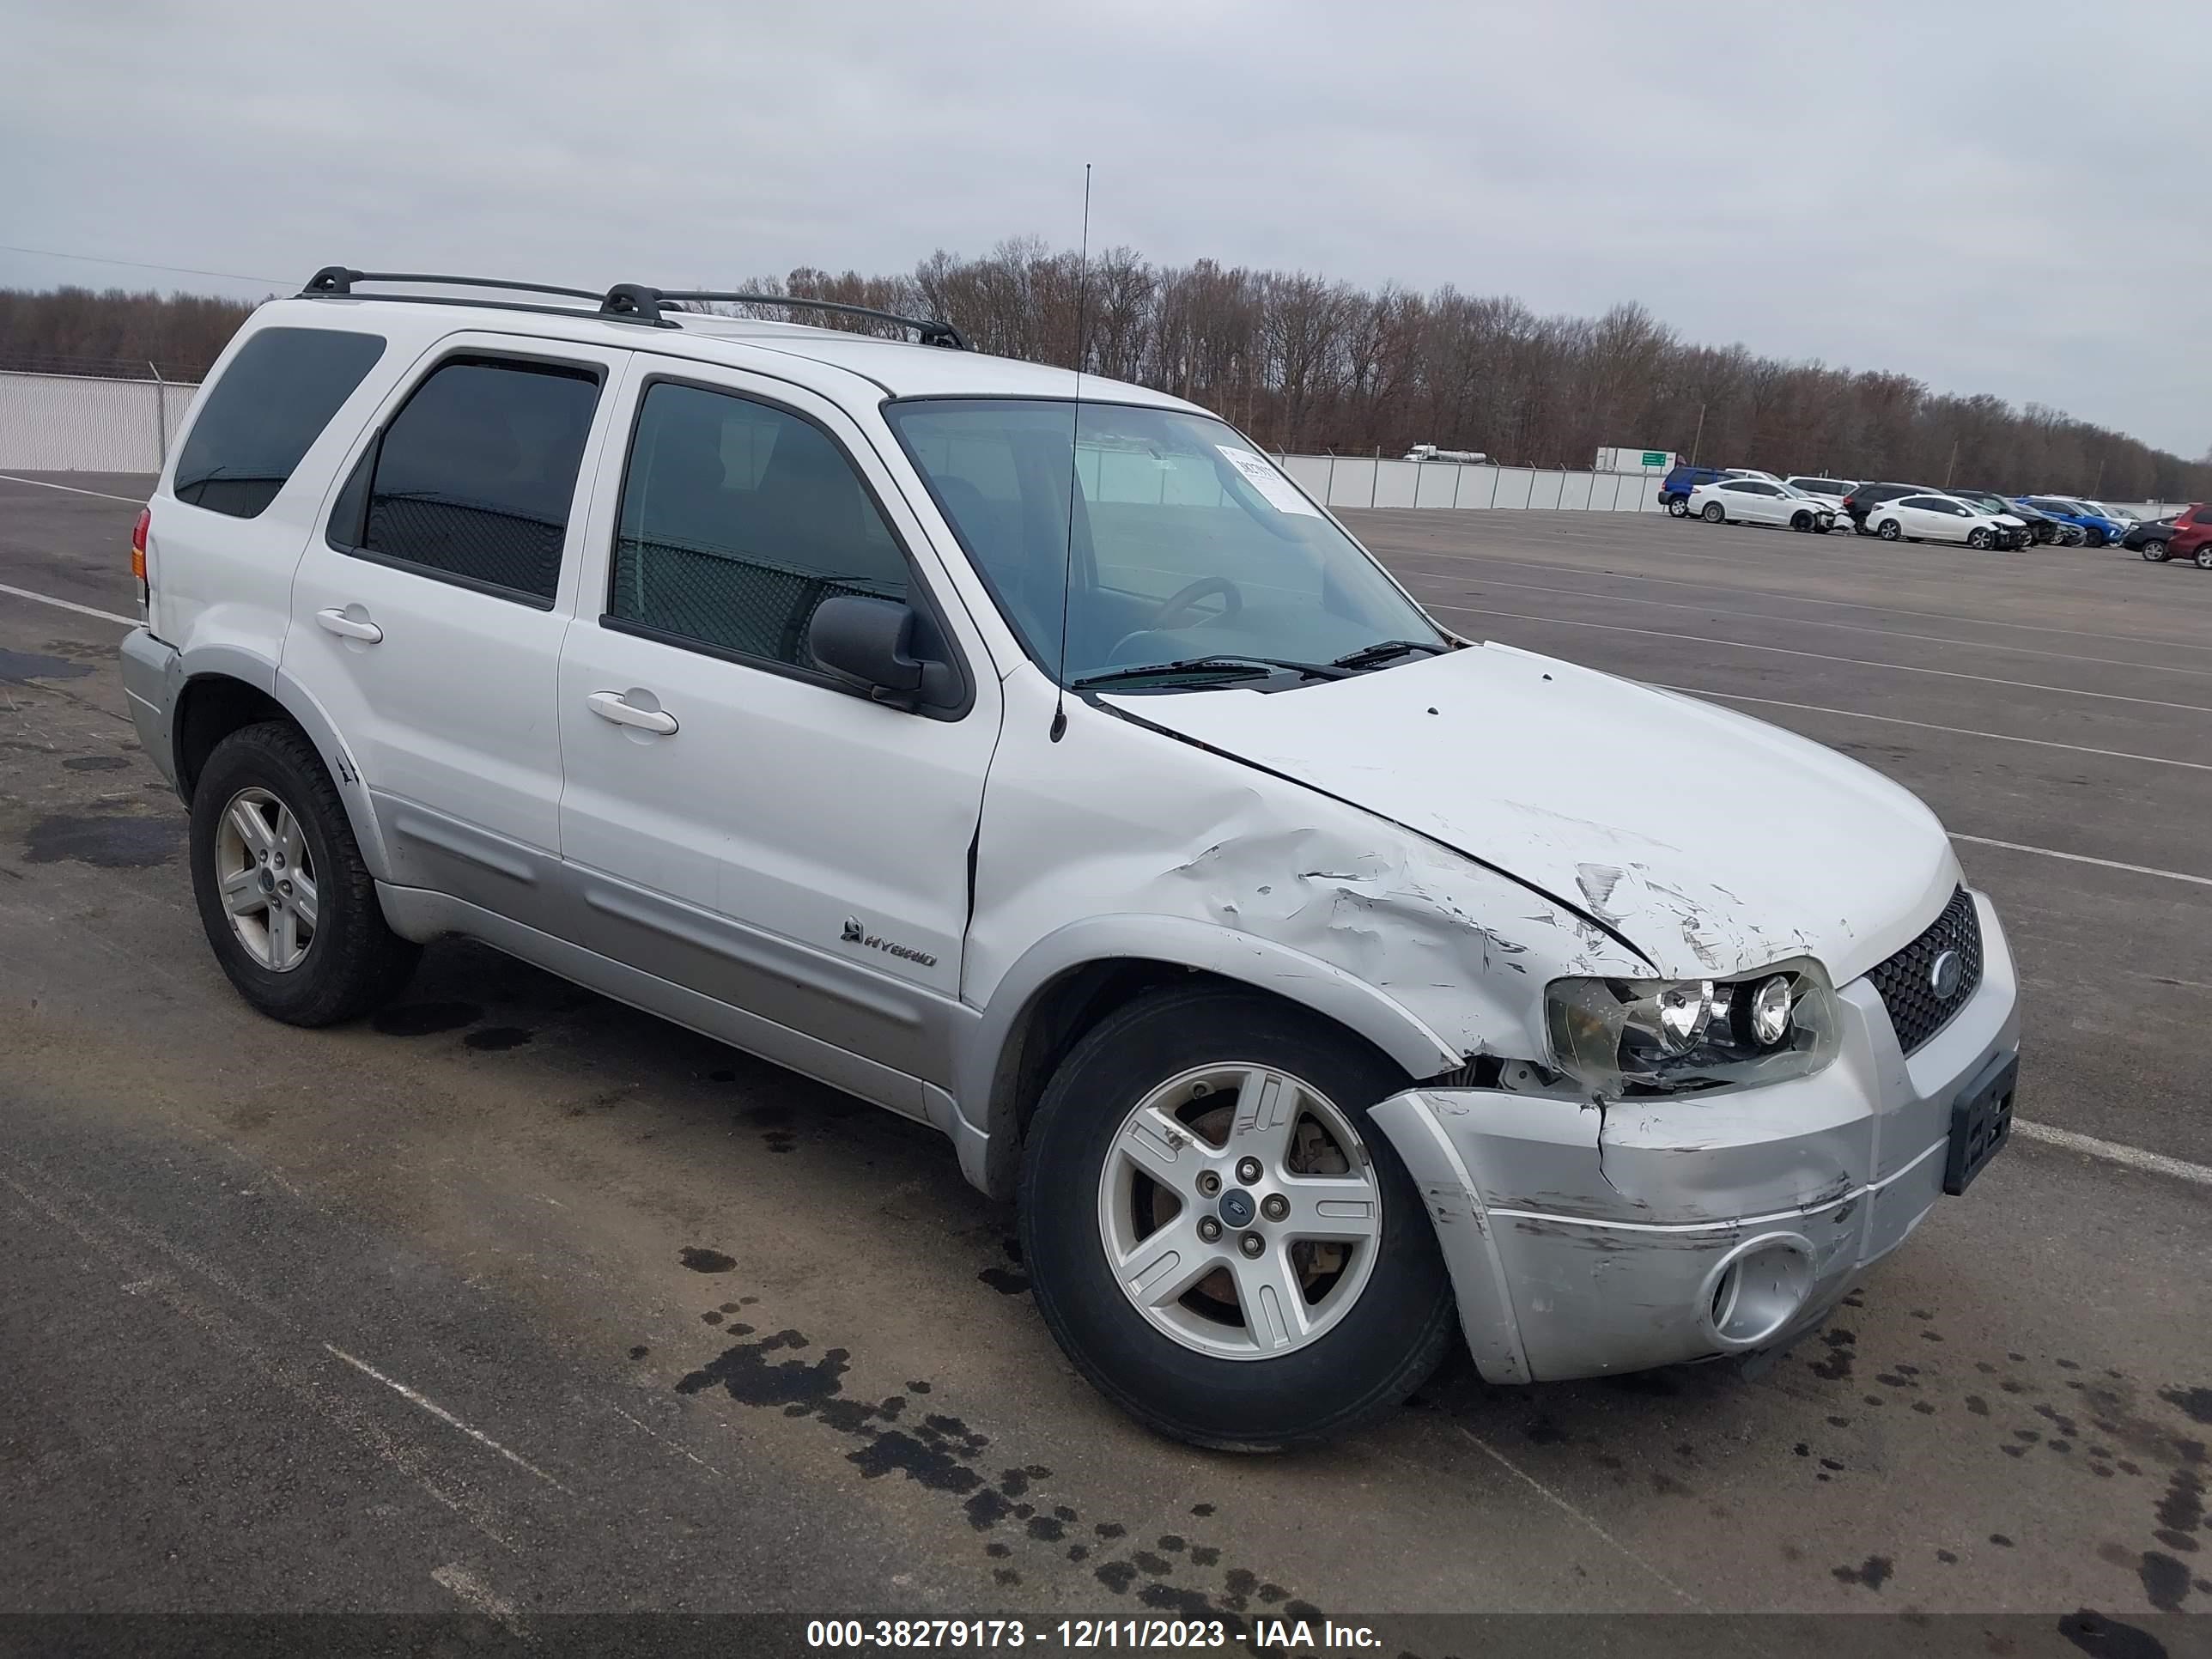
(1240, 1211)
(267, 878)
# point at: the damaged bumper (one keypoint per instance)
(1670, 1229)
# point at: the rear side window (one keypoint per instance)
(272, 402)
(473, 478)
(737, 520)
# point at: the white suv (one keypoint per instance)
(1058, 773)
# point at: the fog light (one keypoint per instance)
(1758, 1289)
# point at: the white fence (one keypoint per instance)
(78, 424)
(1365, 481)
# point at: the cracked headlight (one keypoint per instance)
(1619, 1036)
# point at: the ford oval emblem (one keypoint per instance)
(1946, 973)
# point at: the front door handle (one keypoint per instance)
(349, 628)
(615, 707)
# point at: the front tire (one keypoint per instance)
(1714, 513)
(2203, 557)
(2154, 551)
(2071, 535)
(288, 904)
(1801, 522)
(2096, 538)
(1888, 530)
(1137, 1201)
(1979, 538)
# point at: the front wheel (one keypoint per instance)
(1714, 513)
(2071, 535)
(1801, 522)
(2096, 537)
(2154, 551)
(287, 903)
(1218, 1235)
(2203, 557)
(1979, 538)
(1889, 530)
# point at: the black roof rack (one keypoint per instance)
(630, 302)
(927, 330)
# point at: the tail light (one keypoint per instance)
(138, 551)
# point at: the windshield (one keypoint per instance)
(1185, 543)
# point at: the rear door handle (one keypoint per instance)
(349, 628)
(615, 707)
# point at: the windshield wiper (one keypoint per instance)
(1382, 650)
(1240, 667)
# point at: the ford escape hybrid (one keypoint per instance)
(1051, 770)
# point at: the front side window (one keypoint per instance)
(1158, 534)
(473, 478)
(737, 520)
(273, 401)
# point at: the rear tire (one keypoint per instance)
(1888, 530)
(1192, 1367)
(1679, 507)
(2154, 551)
(261, 780)
(1714, 513)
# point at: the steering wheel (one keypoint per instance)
(1204, 587)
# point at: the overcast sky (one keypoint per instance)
(2008, 196)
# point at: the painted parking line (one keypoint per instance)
(73, 490)
(2083, 858)
(1931, 726)
(67, 604)
(2112, 1151)
(1737, 588)
(1805, 621)
(1824, 656)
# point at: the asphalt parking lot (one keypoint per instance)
(515, 1300)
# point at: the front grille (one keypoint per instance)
(1905, 981)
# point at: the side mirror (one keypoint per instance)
(872, 640)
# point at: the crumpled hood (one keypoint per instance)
(1715, 844)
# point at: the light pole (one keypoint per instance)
(1701, 438)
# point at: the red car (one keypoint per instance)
(2190, 538)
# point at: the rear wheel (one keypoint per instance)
(286, 901)
(1888, 530)
(1678, 507)
(1219, 1236)
(1714, 513)
(1978, 538)
(2153, 550)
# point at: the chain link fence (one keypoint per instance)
(89, 423)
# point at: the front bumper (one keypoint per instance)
(1582, 1241)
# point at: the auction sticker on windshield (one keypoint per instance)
(1281, 494)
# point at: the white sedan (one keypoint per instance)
(1934, 517)
(1758, 500)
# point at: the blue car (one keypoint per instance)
(2077, 523)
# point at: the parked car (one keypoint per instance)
(2040, 526)
(752, 675)
(2118, 515)
(1674, 489)
(2190, 539)
(1831, 490)
(1866, 497)
(1748, 472)
(2090, 528)
(1934, 517)
(1759, 500)
(2140, 536)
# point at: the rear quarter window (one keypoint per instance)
(272, 401)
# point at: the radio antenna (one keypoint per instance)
(1075, 432)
